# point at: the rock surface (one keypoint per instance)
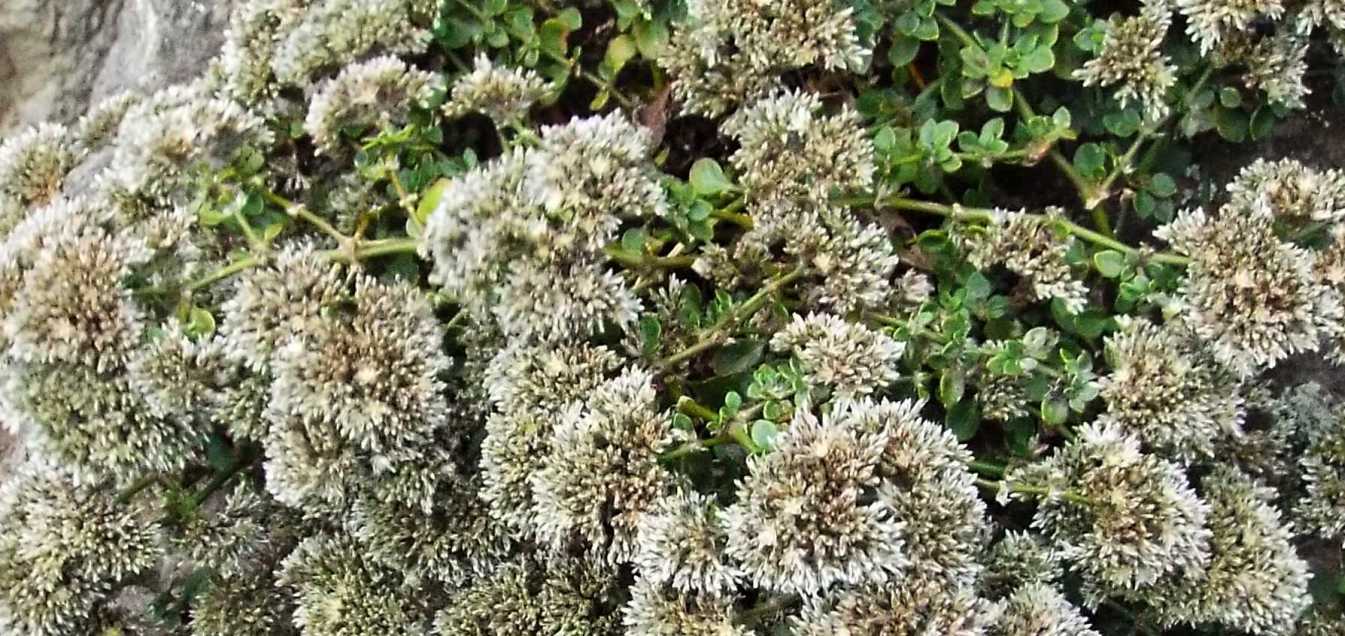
(59, 56)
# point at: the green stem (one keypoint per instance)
(766, 609)
(987, 468)
(301, 211)
(717, 333)
(371, 249)
(1040, 492)
(732, 214)
(960, 213)
(220, 480)
(125, 496)
(688, 405)
(222, 273)
(642, 261)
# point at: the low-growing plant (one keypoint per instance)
(702, 317)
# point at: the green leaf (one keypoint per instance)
(1229, 97)
(1109, 263)
(738, 356)
(633, 240)
(903, 50)
(707, 178)
(764, 433)
(218, 454)
(619, 51)
(999, 99)
(1091, 160)
(952, 386)
(1162, 186)
(1054, 411)
(964, 419)
(429, 200)
(200, 322)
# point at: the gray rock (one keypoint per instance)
(59, 56)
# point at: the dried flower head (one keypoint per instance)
(1252, 297)
(1020, 559)
(806, 517)
(1255, 581)
(338, 591)
(927, 486)
(656, 610)
(681, 544)
(603, 473)
(1041, 610)
(278, 301)
(850, 358)
(1132, 56)
(1030, 246)
(33, 166)
(911, 605)
(1132, 519)
(63, 548)
(502, 93)
(1290, 190)
(334, 33)
(1168, 390)
(375, 94)
(789, 149)
(730, 52)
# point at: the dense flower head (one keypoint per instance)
(338, 591)
(1019, 559)
(911, 605)
(804, 520)
(789, 148)
(603, 473)
(926, 484)
(1254, 580)
(333, 33)
(530, 386)
(1041, 610)
(457, 539)
(1167, 389)
(98, 127)
(1276, 66)
(1252, 297)
(374, 94)
(522, 236)
(171, 131)
(276, 302)
(33, 166)
(1133, 519)
(656, 610)
(1210, 22)
(850, 262)
(72, 307)
(1290, 190)
(681, 544)
(56, 567)
(546, 597)
(360, 386)
(241, 606)
(244, 63)
(1132, 56)
(729, 51)
(849, 358)
(242, 537)
(1031, 247)
(502, 93)
(1318, 422)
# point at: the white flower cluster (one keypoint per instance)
(1030, 246)
(732, 51)
(521, 238)
(849, 358)
(1254, 298)
(1132, 56)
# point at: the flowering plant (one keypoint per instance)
(692, 317)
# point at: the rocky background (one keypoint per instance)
(59, 56)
